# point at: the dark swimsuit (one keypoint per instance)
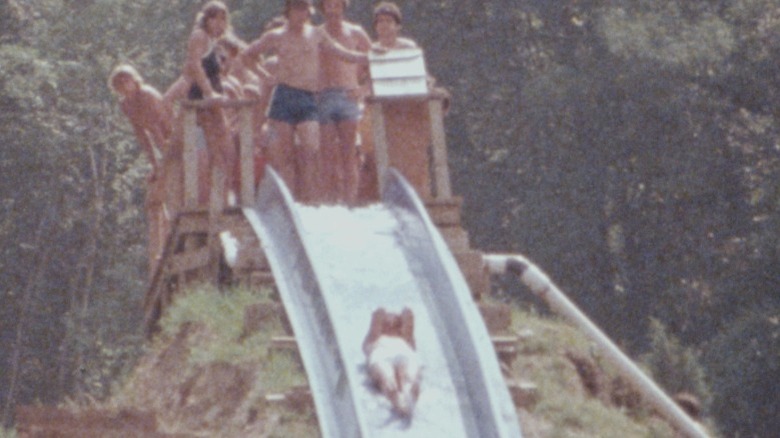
(211, 67)
(292, 105)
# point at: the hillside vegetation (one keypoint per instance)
(213, 371)
(629, 147)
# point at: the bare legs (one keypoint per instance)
(394, 368)
(393, 364)
(296, 162)
(222, 151)
(340, 161)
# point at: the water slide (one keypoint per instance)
(334, 266)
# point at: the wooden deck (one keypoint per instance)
(192, 255)
(406, 133)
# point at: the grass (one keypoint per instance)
(296, 426)
(564, 406)
(213, 323)
(223, 314)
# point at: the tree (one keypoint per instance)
(629, 147)
(744, 361)
(676, 368)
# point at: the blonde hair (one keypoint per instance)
(123, 70)
(211, 10)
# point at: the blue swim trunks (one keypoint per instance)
(336, 105)
(292, 105)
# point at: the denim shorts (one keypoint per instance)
(336, 105)
(292, 105)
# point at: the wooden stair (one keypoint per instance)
(446, 215)
(189, 258)
(51, 422)
(192, 254)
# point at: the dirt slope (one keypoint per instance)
(224, 366)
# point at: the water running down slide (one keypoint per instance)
(334, 266)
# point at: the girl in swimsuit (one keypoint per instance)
(200, 80)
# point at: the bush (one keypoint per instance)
(675, 367)
(743, 364)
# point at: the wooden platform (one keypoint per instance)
(193, 254)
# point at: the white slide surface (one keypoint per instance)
(334, 266)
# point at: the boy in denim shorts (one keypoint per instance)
(293, 108)
(339, 102)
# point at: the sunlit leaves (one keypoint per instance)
(664, 35)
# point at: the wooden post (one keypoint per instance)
(216, 206)
(246, 155)
(380, 143)
(190, 157)
(402, 139)
(218, 174)
(441, 170)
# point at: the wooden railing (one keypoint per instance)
(408, 134)
(428, 170)
(245, 109)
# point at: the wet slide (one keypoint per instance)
(334, 266)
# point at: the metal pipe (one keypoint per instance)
(541, 285)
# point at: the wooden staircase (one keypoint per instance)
(192, 254)
(52, 422)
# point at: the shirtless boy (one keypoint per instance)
(339, 101)
(266, 68)
(293, 107)
(392, 361)
(387, 25)
(143, 106)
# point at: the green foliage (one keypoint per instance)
(290, 424)
(665, 32)
(223, 313)
(203, 330)
(589, 418)
(743, 363)
(630, 147)
(106, 365)
(674, 367)
(563, 404)
(70, 173)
